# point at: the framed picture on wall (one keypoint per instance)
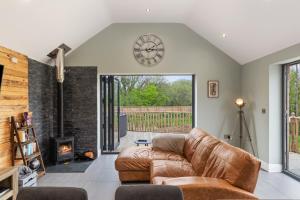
(213, 89)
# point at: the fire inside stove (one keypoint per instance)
(65, 149)
(62, 148)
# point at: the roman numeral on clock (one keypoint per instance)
(137, 50)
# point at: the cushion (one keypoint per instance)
(192, 141)
(202, 153)
(52, 193)
(171, 168)
(169, 142)
(139, 158)
(148, 192)
(234, 165)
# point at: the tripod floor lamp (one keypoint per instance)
(242, 122)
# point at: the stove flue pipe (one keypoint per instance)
(59, 55)
(60, 65)
(59, 62)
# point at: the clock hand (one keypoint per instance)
(147, 49)
(150, 48)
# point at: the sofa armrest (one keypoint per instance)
(52, 193)
(196, 188)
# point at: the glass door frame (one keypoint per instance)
(103, 101)
(285, 120)
(115, 82)
(107, 114)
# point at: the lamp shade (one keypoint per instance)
(239, 102)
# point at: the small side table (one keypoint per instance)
(144, 142)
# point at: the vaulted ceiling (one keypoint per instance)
(243, 29)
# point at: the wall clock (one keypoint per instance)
(148, 50)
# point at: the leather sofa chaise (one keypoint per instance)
(207, 169)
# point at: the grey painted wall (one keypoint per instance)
(186, 52)
(261, 87)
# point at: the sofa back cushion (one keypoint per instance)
(169, 142)
(202, 153)
(191, 142)
(234, 165)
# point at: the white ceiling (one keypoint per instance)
(254, 28)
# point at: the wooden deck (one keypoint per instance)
(161, 119)
(131, 137)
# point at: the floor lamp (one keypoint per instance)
(242, 121)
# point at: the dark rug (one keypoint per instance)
(70, 167)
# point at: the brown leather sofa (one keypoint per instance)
(208, 168)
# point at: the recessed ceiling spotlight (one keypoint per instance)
(148, 10)
(224, 35)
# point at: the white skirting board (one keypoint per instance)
(271, 167)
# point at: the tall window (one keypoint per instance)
(292, 119)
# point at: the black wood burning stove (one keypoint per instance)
(62, 147)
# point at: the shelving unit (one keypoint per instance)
(9, 179)
(18, 144)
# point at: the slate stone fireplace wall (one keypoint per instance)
(80, 99)
(42, 97)
(80, 107)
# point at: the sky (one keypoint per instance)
(172, 78)
(178, 77)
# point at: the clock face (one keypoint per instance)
(148, 50)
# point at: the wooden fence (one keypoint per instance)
(159, 119)
(294, 134)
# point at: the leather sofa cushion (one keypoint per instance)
(192, 141)
(202, 153)
(171, 168)
(139, 158)
(234, 165)
(199, 188)
(169, 142)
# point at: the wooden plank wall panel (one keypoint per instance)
(13, 98)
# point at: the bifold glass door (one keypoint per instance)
(110, 113)
(291, 119)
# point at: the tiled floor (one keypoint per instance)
(294, 162)
(101, 180)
